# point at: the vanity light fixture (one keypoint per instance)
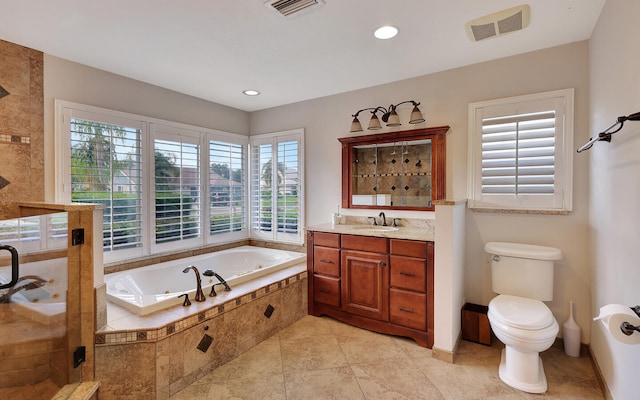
(389, 116)
(250, 92)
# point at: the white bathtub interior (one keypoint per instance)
(156, 287)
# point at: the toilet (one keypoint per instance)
(522, 276)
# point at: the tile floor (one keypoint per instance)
(320, 358)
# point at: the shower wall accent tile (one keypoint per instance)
(22, 127)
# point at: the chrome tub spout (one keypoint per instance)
(36, 282)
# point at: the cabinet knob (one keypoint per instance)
(383, 264)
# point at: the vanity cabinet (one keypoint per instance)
(380, 284)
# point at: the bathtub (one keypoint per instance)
(156, 287)
(46, 304)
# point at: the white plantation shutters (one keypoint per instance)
(106, 169)
(277, 193)
(227, 187)
(520, 152)
(177, 180)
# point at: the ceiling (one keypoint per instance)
(215, 49)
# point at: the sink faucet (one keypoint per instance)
(199, 293)
(227, 288)
(384, 219)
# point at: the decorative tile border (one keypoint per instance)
(154, 335)
(15, 139)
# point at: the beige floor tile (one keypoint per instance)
(370, 348)
(311, 353)
(263, 388)
(196, 391)
(334, 384)
(583, 390)
(394, 381)
(260, 361)
(411, 348)
(306, 327)
(560, 368)
(463, 381)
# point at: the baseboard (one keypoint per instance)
(598, 372)
(445, 355)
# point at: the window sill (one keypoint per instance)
(517, 211)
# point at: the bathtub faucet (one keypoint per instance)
(36, 282)
(221, 282)
(199, 293)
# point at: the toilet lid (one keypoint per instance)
(520, 312)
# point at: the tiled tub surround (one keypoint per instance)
(155, 356)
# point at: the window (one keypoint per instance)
(31, 234)
(227, 187)
(164, 185)
(106, 169)
(277, 194)
(520, 152)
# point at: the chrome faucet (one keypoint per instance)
(221, 281)
(384, 219)
(199, 293)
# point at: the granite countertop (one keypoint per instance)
(414, 232)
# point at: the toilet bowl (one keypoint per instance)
(525, 334)
(522, 276)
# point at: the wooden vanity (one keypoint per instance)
(377, 283)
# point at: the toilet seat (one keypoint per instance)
(520, 313)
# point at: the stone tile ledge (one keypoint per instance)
(177, 319)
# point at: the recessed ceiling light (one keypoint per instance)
(251, 92)
(386, 32)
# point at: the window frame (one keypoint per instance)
(65, 110)
(274, 139)
(561, 201)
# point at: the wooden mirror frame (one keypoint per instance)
(437, 135)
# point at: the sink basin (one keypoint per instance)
(372, 228)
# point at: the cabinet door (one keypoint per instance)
(365, 284)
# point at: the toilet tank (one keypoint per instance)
(523, 270)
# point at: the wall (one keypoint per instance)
(66, 80)
(615, 193)
(445, 97)
(21, 127)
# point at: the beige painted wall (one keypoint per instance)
(445, 97)
(615, 187)
(66, 80)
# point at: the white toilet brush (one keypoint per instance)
(571, 334)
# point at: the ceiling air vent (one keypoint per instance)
(500, 23)
(287, 8)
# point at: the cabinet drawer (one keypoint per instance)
(326, 261)
(364, 243)
(408, 309)
(408, 273)
(326, 290)
(326, 239)
(411, 248)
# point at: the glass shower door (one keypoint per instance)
(33, 290)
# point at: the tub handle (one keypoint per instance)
(186, 302)
(15, 268)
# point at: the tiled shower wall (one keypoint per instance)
(21, 127)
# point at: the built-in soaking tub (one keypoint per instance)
(156, 287)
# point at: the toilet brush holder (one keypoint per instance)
(571, 334)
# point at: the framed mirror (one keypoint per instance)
(394, 170)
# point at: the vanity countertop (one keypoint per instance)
(424, 233)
